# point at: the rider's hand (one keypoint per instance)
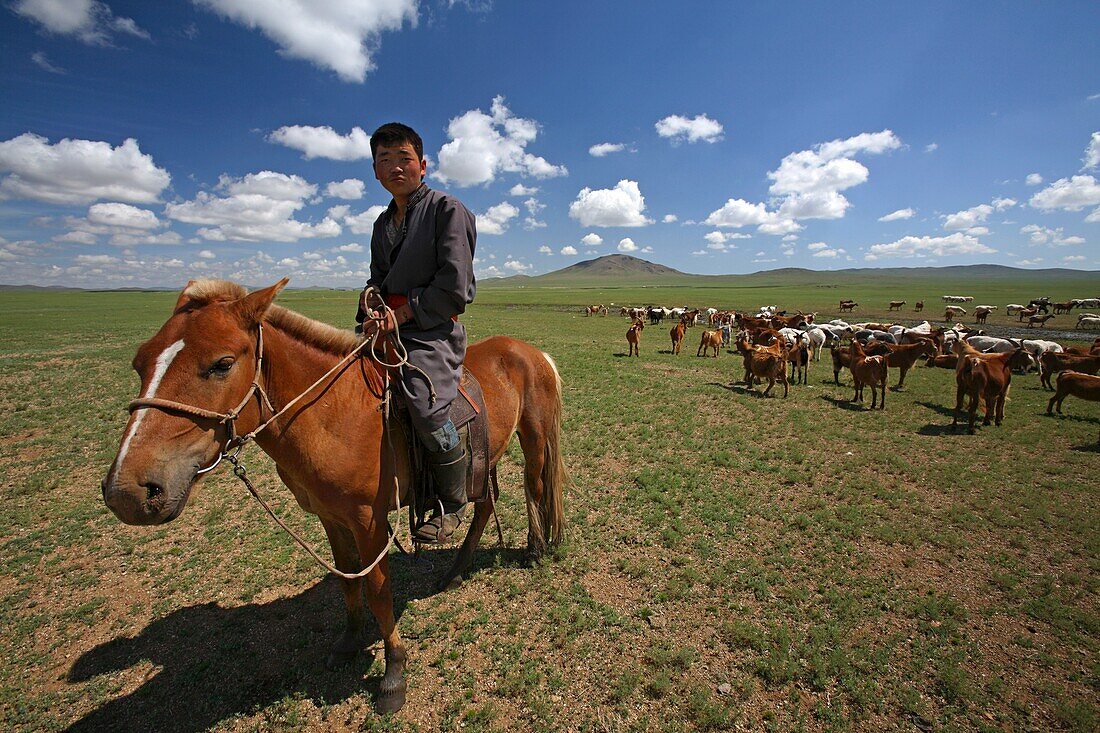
(377, 322)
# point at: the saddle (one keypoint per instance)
(467, 412)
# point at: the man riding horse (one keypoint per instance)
(422, 250)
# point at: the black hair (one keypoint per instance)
(393, 134)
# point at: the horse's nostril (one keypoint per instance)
(153, 490)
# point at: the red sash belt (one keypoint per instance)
(396, 300)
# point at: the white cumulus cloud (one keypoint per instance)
(89, 20)
(591, 240)
(968, 218)
(899, 214)
(350, 189)
(1092, 152)
(829, 253)
(1069, 194)
(626, 244)
(603, 149)
(520, 190)
(1043, 235)
(544, 250)
(517, 266)
(622, 206)
(483, 146)
(342, 35)
(78, 171)
(324, 142)
(953, 244)
(258, 207)
(695, 129)
(569, 250)
(495, 220)
(363, 223)
(123, 215)
(1034, 179)
(670, 218)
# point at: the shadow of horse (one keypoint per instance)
(216, 662)
(942, 409)
(845, 404)
(937, 429)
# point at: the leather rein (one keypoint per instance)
(235, 443)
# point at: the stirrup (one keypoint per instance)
(439, 528)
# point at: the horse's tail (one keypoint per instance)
(549, 520)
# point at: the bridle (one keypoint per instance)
(235, 443)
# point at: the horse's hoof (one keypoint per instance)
(446, 584)
(391, 697)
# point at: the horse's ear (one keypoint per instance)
(184, 298)
(252, 307)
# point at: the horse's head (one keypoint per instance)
(203, 357)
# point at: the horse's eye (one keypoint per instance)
(221, 367)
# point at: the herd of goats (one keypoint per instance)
(771, 341)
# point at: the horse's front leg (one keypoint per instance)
(372, 540)
(346, 555)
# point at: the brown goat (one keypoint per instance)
(903, 356)
(868, 370)
(943, 361)
(982, 377)
(634, 337)
(709, 340)
(1041, 320)
(1085, 386)
(1052, 363)
(919, 306)
(765, 362)
(676, 333)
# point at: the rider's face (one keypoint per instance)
(399, 169)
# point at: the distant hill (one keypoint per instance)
(600, 271)
(625, 271)
(37, 288)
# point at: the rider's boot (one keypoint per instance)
(449, 471)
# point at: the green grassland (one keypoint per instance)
(732, 562)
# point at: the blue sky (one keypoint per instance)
(144, 144)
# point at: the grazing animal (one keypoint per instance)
(634, 338)
(1088, 303)
(1088, 322)
(1084, 350)
(1026, 313)
(1052, 362)
(895, 305)
(982, 312)
(202, 383)
(1085, 386)
(919, 306)
(868, 371)
(1060, 308)
(842, 356)
(903, 356)
(983, 378)
(710, 340)
(943, 361)
(953, 311)
(848, 306)
(1043, 304)
(764, 362)
(1013, 308)
(1041, 320)
(677, 334)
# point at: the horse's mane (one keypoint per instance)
(320, 335)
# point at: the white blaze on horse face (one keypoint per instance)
(159, 370)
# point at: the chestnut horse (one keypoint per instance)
(328, 448)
